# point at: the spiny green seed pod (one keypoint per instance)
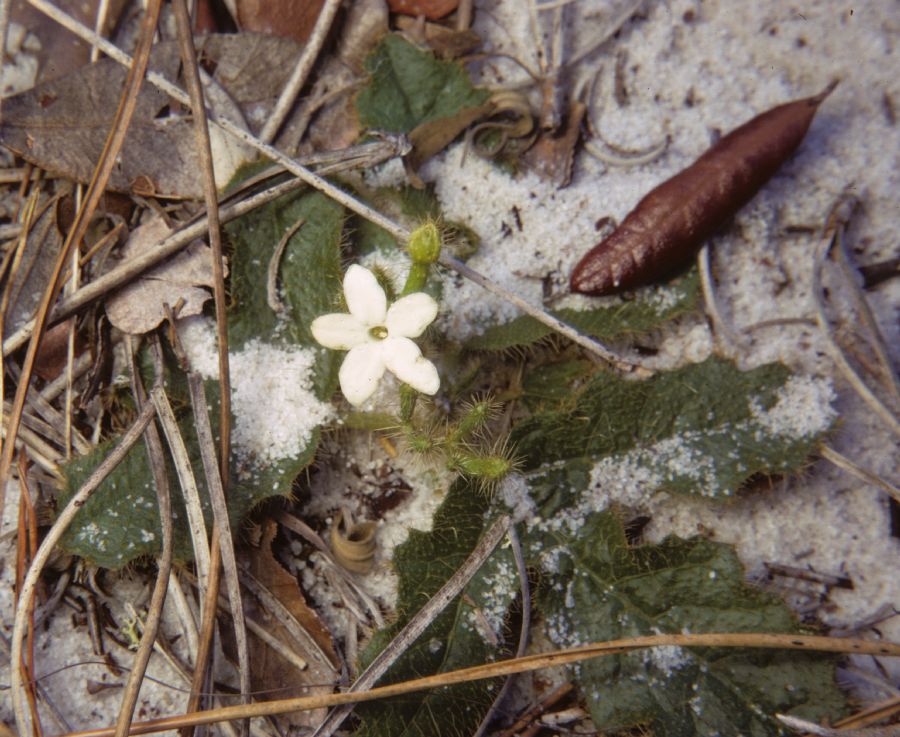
(421, 442)
(424, 245)
(487, 468)
(475, 417)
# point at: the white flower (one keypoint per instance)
(378, 337)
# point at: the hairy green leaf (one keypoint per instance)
(642, 311)
(456, 639)
(121, 522)
(602, 589)
(409, 86)
(704, 429)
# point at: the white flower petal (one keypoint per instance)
(364, 295)
(338, 331)
(360, 372)
(409, 316)
(404, 359)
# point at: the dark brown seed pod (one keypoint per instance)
(671, 223)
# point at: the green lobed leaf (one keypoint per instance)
(309, 276)
(642, 311)
(409, 86)
(703, 429)
(424, 563)
(121, 522)
(602, 589)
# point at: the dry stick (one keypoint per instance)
(372, 152)
(417, 625)
(286, 619)
(26, 544)
(30, 583)
(338, 195)
(524, 632)
(548, 319)
(512, 666)
(164, 565)
(126, 272)
(837, 353)
(535, 711)
(871, 714)
(201, 130)
(720, 324)
(185, 615)
(275, 303)
(182, 461)
(842, 462)
(206, 634)
(99, 26)
(303, 67)
(862, 304)
(114, 141)
(15, 256)
(226, 542)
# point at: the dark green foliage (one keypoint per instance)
(120, 522)
(408, 86)
(645, 310)
(699, 429)
(424, 563)
(602, 589)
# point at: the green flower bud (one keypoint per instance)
(424, 245)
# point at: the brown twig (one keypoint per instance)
(417, 625)
(164, 565)
(526, 664)
(226, 543)
(201, 129)
(303, 67)
(116, 138)
(29, 585)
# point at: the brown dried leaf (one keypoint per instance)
(431, 9)
(270, 671)
(138, 308)
(286, 18)
(447, 43)
(61, 52)
(29, 281)
(53, 352)
(551, 155)
(62, 125)
(432, 136)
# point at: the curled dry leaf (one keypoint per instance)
(354, 548)
(139, 307)
(671, 223)
(62, 125)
